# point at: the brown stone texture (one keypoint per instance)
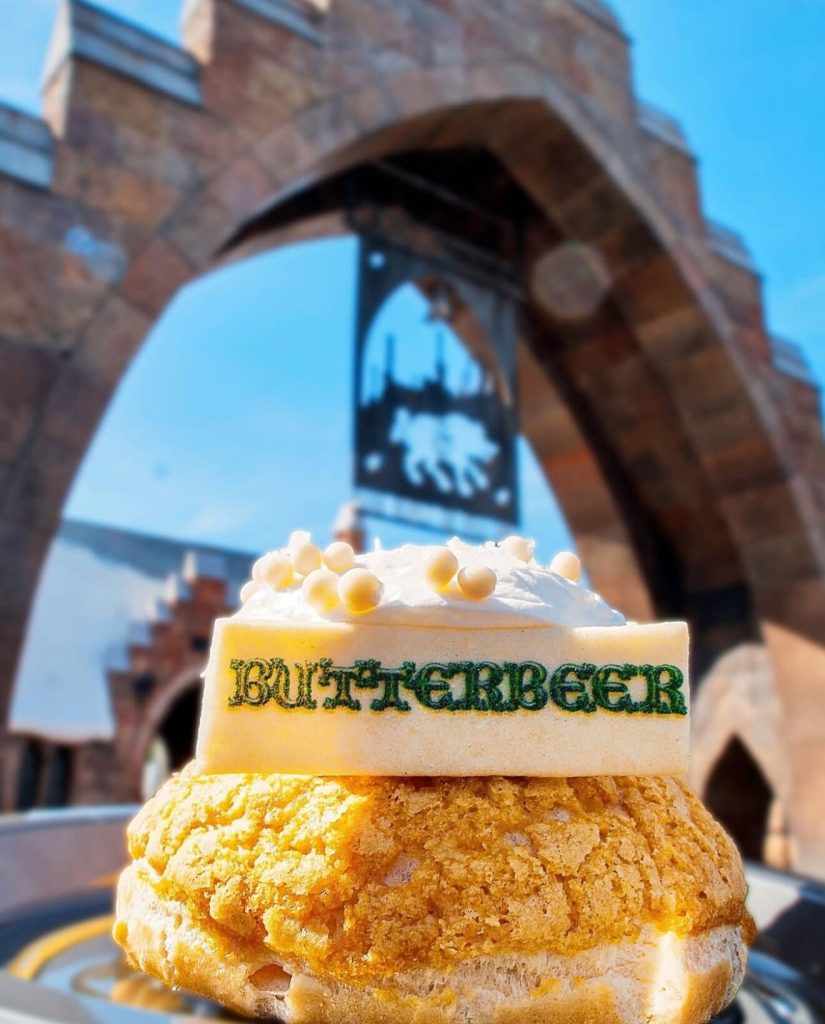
(160, 672)
(675, 173)
(156, 273)
(690, 468)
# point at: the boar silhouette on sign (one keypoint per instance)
(435, 421)
(451, 449)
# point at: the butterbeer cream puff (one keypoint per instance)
(550, 866)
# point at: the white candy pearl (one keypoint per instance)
(477, 582)
(320, 590)
(305, 558)
(274, 569)
(248, 589)
(296, 539)
(439, 567)
(339, 556)
(567, 564)
(360, 590)
(519, 547)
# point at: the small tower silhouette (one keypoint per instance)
(349, 526)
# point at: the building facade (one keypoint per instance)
(110, 674)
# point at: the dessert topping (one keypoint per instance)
(305, 558)
(274, 569)
(360, 590)
(320, 589)
(519, 547)
(476, 582)
(568, 565)
(248, 589)
(440, 565)
(339, 556)
(426, 584)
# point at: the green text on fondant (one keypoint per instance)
(484, 687)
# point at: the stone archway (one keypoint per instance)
(737, 699)
(178, 729)
(171, 722)
(740, 796)
(166, 711)
(684, 446)
(738, 761)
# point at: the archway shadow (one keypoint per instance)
(739, 795)
(179, 727)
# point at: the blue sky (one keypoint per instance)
(232, 425)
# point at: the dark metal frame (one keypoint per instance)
(426, 233)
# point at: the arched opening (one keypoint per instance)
(59, 777)
(172, 744)
(30, 775)
(739, 795)
(612, 435)
(186, 366)
(587, 356)
(178, 728)
(44, 776)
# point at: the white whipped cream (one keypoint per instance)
(526, 594)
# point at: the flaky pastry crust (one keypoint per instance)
(342, 899)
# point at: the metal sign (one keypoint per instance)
(436, 447)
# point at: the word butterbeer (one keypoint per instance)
(474, 686)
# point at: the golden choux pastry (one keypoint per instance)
(335, 901)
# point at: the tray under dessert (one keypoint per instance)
(60, 966)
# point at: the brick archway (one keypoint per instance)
(684, 445)
(189, 678)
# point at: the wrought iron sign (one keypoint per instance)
(436, 448)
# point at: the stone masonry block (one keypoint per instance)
(371, 108)
(412, 93)
(199, 229)
(23, 309)
(116, 192)
(154, 276)
(242, 187)
(652, 291)
(626, 247)
(680, 334)
(327, 126)
(674, 171)
(28, 375)
(107, 345)
(597, 208)
(91, 34)
(114, 100)
(740, 465)
(780, 560)
(76, 403)
(706, 383)
(286, 152)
